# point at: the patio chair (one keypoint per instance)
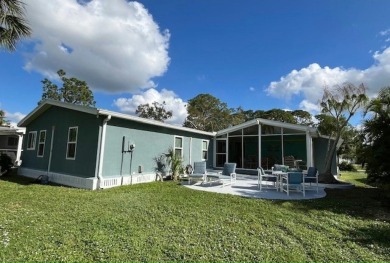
(266, 178)
(293, 181)
(228, 174)
(289, 161)
(312, 176)
(198, 173)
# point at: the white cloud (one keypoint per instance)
(308, 106)
(13, 118)
(252, 89)
(172, 101)
(114, 45)
(385, 32)
(309, 82)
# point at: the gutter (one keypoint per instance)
(101, 152)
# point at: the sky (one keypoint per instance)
(257, 55)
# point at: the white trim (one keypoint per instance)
(182, 145)
(205, 150)
(48, 104)
(97, 162)
(190, 151)
(19, 150)
(253, 122)
(51, 149)
(33, 140)
(39, 143)
(102, 145)
(110, 182)
(69, 142)
(152, 122)
(259, 142)
(59, 178)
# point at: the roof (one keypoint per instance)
(95, 111)
(313, 131)
(4, 130)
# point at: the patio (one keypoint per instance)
(246, 186)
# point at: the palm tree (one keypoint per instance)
(13, 25)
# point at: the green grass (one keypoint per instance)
(168, 222)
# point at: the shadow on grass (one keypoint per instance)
(359, 202)
(13, 178)
(22, 180)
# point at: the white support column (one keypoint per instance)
(19, 150)
(281, 129)
(309, 150)
(227, 148)
(259, 134)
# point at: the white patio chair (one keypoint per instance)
(198, 173)
(264, 179)
(293, 181)
(311, 177)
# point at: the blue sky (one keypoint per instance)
(253, 54)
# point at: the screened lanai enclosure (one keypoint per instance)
(264, 143)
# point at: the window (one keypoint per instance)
(72, 143)
(204, 150)
(31, 140)
(179, 146)
(41, 143)
(220, 153)
(12, 141)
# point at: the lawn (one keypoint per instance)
(168, 222)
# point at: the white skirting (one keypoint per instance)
(90, 183)
(64, 179)
(118, 181)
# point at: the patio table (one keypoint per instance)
(279, 174)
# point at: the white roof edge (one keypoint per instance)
(269, 122)
(12, 130)
(151, 122)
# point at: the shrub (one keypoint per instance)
(5, 162)
(344, 166)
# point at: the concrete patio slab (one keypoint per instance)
(246, 186)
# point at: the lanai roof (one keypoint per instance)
(313, 131)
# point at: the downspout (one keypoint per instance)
(102, 144)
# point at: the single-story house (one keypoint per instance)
(94, 148)
(11, 139)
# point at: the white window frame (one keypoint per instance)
(40, 143)
(71, 142)
(32, 136)
(179, 148)
(205, 150)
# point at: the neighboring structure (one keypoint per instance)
(94, 148)
(90, 148)
(11, 142)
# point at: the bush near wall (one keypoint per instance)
(344, 166)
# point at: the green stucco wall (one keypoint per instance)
(150, 141)
(87, 141)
